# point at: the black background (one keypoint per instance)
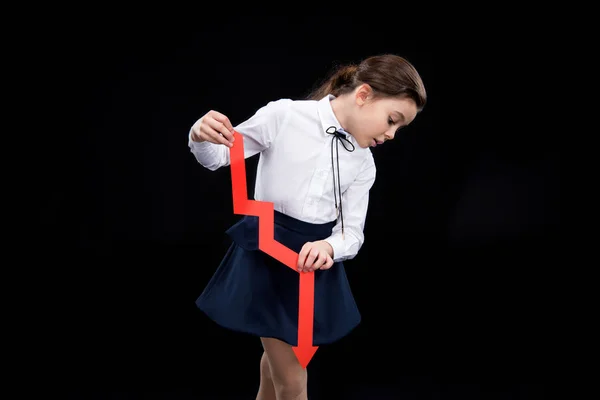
(462, 227)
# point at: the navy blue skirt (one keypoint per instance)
(254, 293)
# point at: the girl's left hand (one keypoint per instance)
(314, 256)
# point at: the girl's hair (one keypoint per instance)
(388, 75)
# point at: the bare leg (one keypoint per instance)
(289, 378)
(266, 390)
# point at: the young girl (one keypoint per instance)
(317, 169)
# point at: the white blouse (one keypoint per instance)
(295, 170)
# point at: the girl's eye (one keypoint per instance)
(391, 121)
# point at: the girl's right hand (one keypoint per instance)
(213, 127)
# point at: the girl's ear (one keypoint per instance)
(363, 93)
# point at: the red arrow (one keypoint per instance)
(267, 243)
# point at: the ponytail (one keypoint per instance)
(342, 81)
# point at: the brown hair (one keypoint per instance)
(388, 75)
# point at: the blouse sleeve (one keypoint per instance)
(258, 133)
(355, 204)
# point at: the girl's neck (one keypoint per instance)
(340, 105)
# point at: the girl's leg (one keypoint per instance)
(266, 390)
(288, 376)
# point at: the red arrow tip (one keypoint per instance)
(305, 354)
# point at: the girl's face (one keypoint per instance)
(374, 121)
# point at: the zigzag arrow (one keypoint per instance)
(267, 243)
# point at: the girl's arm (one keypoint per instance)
(258, 133)
(354, 207)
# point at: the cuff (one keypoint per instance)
(196, 145)
(337, 243)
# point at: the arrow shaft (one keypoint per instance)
(306, 309)
(238, 178)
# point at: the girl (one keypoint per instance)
(317, 169)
